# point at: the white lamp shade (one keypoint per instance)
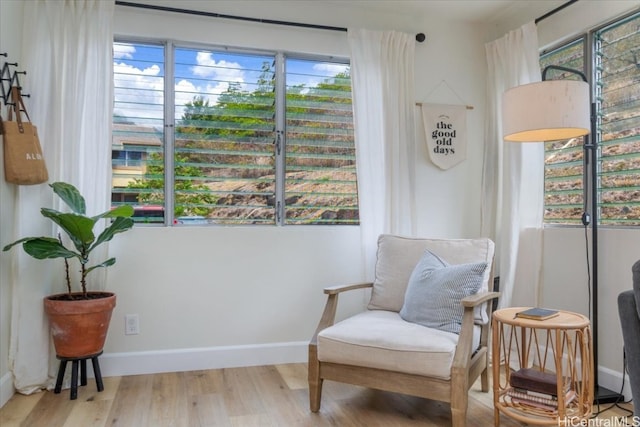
(546, 111)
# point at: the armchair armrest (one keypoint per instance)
(464, 352)
(329, 313)
(479, 298)
(343, 288)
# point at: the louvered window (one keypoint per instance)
(617, 77)
(563, 168)
(614, 71)
(320, 183)
(247, 138)
(138, 129)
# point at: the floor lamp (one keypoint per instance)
(553, 110)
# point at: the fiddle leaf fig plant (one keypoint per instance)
(78, 227)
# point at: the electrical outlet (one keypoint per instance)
(131, 324)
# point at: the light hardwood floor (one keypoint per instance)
(253, 396)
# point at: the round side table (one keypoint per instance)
(560, 346)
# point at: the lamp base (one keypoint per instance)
(603, 395)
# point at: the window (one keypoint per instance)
(247, 138)
(320, 159)
(610, 56)
(138, 130)
(127, 158)
(617, 77)
(563, 171)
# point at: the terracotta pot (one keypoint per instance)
(79, 326)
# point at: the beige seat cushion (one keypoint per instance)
(397, 257)
(381, 339)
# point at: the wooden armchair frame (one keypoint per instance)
(468, 364)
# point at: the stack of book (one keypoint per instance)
(537, 313)
(531, 387)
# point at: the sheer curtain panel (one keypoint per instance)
(382, 74)
(513, 174)
(67, 54)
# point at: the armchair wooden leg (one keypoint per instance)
(315, 382)
(459, 413)
(484, 380)
(459, 398)
(315, 395)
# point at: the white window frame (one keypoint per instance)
(280, 57)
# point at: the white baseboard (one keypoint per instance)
(6, 388)
(612, 380)
(151, 362)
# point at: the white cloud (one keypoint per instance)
(146, 86)
(333, 69)
(134, 86)
(185, 91)
(123, 50)
(326, 70)
(222, 70)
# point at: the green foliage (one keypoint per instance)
(189, 197)
(79, 229)
(236, 113)
(233, 138)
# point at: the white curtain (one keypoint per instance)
(513, 174)
(382, 74)
(67, 55)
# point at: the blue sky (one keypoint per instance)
(140, 73)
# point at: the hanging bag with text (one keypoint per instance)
(23, 160)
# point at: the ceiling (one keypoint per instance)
(462, 10)
(476, 11)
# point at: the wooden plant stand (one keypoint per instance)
(75, 361)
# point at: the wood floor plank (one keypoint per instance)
(92, 413)
(169, 400)
(52, 410)
(253, 420)
(294, 374)
(132, 403)
(277, 396)
(260, 396)
(240, 395)
(208, 410)
(204, 382)
(18, 408)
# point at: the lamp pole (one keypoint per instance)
(601, 394)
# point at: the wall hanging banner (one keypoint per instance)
(446, 131)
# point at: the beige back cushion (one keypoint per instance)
(397, 257)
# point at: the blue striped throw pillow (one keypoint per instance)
(435, 290)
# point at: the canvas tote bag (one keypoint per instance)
(23, 160)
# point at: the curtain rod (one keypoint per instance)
(553, 12)
(420, 37)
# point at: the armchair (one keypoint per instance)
(396, 344)
(629, 312)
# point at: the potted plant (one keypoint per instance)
(79, 320)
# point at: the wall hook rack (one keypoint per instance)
(9, 78)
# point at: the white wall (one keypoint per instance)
(448, 200)
(10, 38)
(212, 288)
